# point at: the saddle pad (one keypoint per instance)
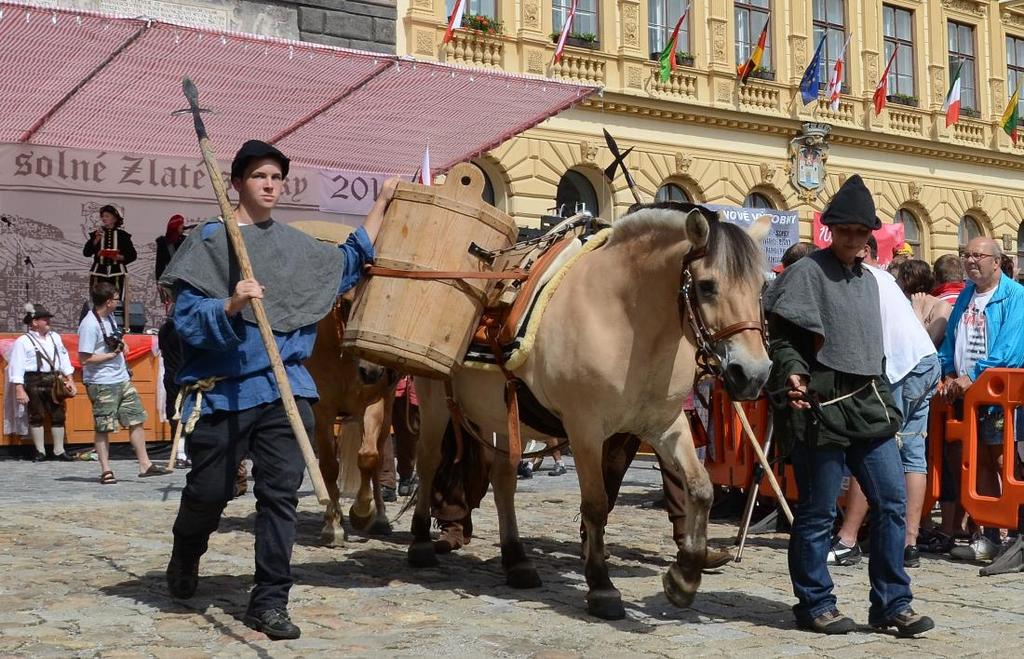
(481, 356)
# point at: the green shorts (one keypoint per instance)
(115, 402)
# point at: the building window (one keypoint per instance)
(911, 230)
(672, 192)
(751, 15)
(961, 48)
(830, 23)
(898, 26)
(585, 21)
(1015, 68)
(575, 194)
(757, 200)
(488, 8)
(969, 230)
(661, 20)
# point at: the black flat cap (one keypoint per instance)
(255, 150)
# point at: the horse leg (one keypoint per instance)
(377, 424)
(433, 421)
(519, 569)
(361, 511)
(678, 455)
(603, 599)
(333, 533)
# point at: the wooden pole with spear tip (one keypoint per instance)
(244, 265)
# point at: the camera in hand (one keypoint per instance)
(114, 341)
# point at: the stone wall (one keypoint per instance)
(362, 24)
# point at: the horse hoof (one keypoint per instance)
(678, 589)
(606, 604)
(359, 520)
(421, 554)
(523, 575)
(332, 538)
(380, 527)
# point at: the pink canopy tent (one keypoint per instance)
(97, 81)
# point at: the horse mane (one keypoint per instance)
(730, 249)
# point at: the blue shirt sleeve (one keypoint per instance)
(1006, 347)
(202, 322)
(358, 251)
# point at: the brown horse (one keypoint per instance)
(361, 394)
(615, 351)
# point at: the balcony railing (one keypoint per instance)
(754, 96)
(581, 68)
(681, 83)
(475, 48)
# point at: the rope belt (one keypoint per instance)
(199, 387)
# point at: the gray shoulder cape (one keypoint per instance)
(301, 275)
(839, 304)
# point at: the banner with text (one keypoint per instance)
(785, 229)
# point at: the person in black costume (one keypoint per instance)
(111, 249)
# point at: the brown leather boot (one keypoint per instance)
(451, 538)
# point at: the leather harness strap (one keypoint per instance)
(736, 328)
(379, 271)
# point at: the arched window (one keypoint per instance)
(575, 193)
(969, 230)
(757, 200)
(672, 192)
(911, 230)
(488, 189)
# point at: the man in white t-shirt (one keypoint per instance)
(984, 331)
(108, 383)
(912, 368)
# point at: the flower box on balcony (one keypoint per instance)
(682, 58)
(763, 74)
(970, 112)
(902, 99)
(578, 39)
(482, 23)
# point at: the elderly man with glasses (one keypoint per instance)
(984, 331)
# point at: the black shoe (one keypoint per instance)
(830, 622)
(907, 623)
(388, 494)
(406, 485)
(524, 470)
(558, 470)
(275, 623)
(911, 556)
(182, 464)
(182, 576)
(39, 457)
(840, 554)
(63, 457)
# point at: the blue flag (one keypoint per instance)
(811, 82)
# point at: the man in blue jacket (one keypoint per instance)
(233, 407)
(984, 331)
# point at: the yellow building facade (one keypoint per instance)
(704, 135)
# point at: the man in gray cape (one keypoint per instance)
(226, 367)
(826, 348)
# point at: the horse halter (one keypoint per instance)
(708, 361)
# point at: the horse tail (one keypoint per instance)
(349, 440)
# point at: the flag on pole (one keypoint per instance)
(882, 88)
(1011, 116)
(810, 84)
(456, 20)
(667, 61)
(566, 29)
(425, 167)
(835, 83)
(952, 105)
(754, 62)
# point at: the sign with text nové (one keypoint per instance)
(785, 230)
(349, 193)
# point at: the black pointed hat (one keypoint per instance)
(852, 204)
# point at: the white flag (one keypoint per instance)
(425, 176)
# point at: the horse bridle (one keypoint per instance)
(708, 362)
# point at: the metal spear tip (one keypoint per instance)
(191, 93)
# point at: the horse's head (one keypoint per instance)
(720, 296)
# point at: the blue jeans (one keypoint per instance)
(819, 475)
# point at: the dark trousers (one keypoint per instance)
(819, 476)
(217, 445)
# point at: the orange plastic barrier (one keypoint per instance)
(1000, 387)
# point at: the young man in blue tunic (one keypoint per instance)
(232, 401)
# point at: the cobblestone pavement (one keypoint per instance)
(82, 568)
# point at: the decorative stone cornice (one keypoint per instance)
(973, 7)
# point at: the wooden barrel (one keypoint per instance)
(418, 326)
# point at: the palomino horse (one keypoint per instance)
(361, 394)
(616, 351)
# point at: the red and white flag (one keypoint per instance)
(425, 167)
(952, 105)
(456, 20)
(882, 89)
(835, 83)
(566, 30)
